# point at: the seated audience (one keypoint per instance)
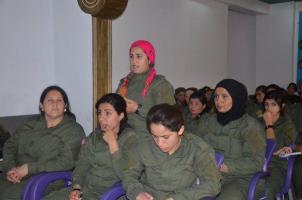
(255, 108)
(100, 162)
(238, 136)
(292, 93)
(166, 166)
(180, 98)
(279, 127)
(197, 114)
(49, 143)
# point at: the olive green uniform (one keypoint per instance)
(295, 113)
(285, 134)
(160, 91)
(297, 175)
(97, 169)
(163, 175)
(43, 149)
(191, 124)
(242, 142)
(254, 110)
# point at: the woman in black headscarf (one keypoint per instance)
(238, 136)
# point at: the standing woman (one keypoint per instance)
(49, 143)
(101, 158)
(239, 137)
(279, 127)
(142, 87)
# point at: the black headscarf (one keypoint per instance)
(238, 93)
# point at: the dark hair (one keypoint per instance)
(200, 96)
(166, 115)
(278, 96)
(261, 88)
(179, 89)
(205, 89)
(271, 87)
(294, 85)
(194, 89)
(119, 105)
(65, 99)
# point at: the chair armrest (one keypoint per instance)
(39, 186)
(254, 181)
(114, 192)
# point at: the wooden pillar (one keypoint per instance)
(102, 12)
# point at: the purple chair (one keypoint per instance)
(27, 188)
(116, 191)
(286, 189)
(270, 148)
(38, 184)
(219, 159)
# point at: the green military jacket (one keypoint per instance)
(254, 110)
(97, 169)
(285, 135)
(191, 124)
(241, 141)
(160, 91)
(295, 113)
(163, 175)
(44, 149)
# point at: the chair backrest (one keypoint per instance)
(288, 179)
(270, 148)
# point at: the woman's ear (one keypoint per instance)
(121, 116)
(41, 107)
(181, 130)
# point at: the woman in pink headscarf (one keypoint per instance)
(143, 88)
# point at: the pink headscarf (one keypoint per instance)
(147, 47)
(149, 50)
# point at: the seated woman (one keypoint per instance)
(166, 166)
(101, 158)
(279, 127)
(49, 143)
(180, 99)
(297, 175)
(255, 107)
(238, 136)
(197, 114)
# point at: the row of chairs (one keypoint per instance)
(35, 188)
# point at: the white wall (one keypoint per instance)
(41, 45)
(190, 38)
(26, 54)
(274, 45)
(73, 58)
(242, 48)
